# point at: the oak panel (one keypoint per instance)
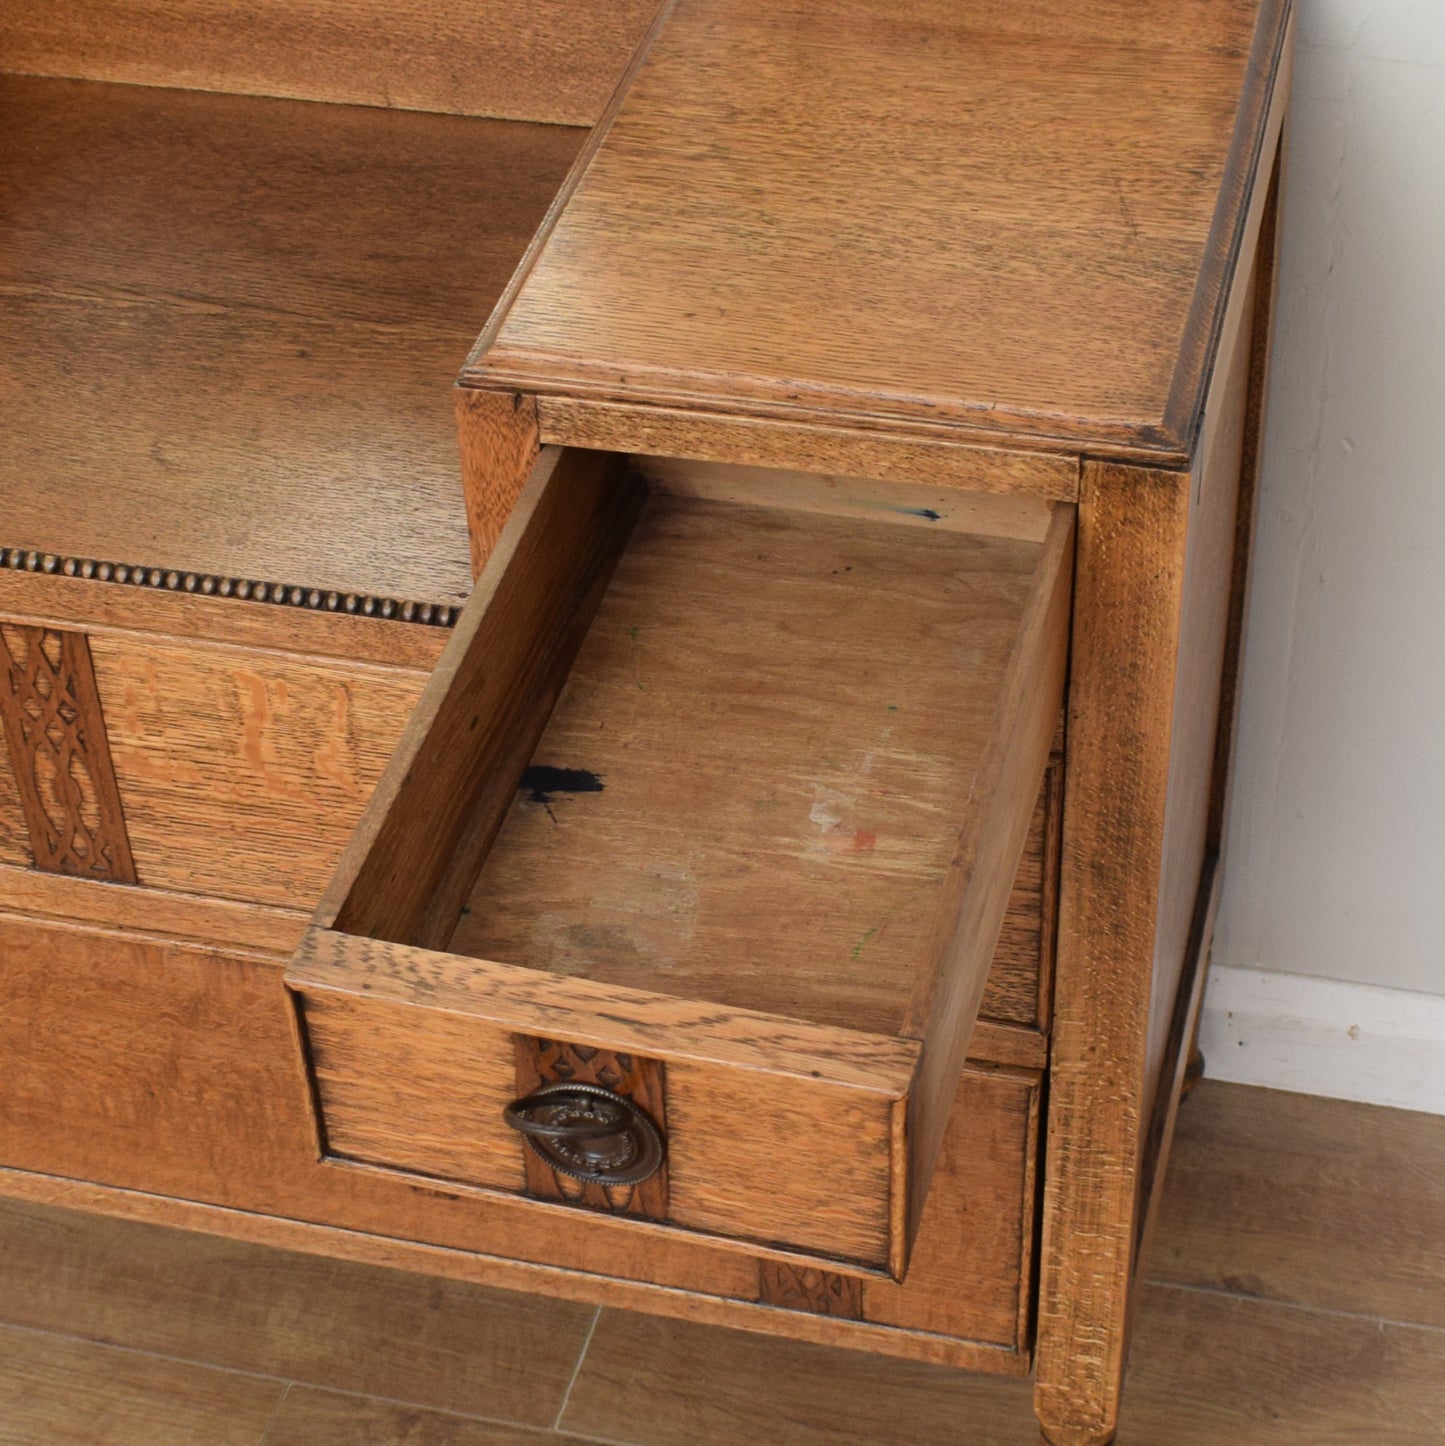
(150, 911)
(934, 456)
(162, 603)
(777, 219)
(243, 774)
(229, 341)
(542, 60)
(413, 1063)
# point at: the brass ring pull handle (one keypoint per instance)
(588, 1132)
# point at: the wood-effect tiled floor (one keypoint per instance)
(1295, 1297)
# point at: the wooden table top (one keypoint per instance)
(231, 324)
(1009, 219)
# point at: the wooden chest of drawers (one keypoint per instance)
(778, 890)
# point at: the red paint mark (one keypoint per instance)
(863, 842)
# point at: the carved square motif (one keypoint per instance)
(820, 1292)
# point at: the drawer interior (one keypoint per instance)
(734, 787)
(750, 788)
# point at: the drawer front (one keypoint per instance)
(170, 1069)
(772, 1133)
(735, 794)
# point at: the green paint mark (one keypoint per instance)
(632, 633)
(893, 707)
(857, 949)
(888, 913)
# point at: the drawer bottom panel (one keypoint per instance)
(171, 1068)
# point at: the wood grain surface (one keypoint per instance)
(74, 1393)
(195, 1034)
(934, 506)
(54, 730)
(436, 811)
(497, 434)
(230, 343)
(96, 607)
(1020, 979)
(156, 913)
(328, 1418)
(936, 456)
(765, 740)
(243, 774)
(775, 1134)
(1240, 1356)
(540, 60)
(777, 220)
(293, 1317)
(945, 1002)
(1326, 1204)
(1132, 540)
(14, 835)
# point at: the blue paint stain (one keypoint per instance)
(927, 513)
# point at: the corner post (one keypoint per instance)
(1133, 525)
(500, 441)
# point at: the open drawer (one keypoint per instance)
(712, 807)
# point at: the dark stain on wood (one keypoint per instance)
(544, 782)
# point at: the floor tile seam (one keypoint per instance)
(541, 1429)
(168, 1356)
(577, 1368)
(275, 1412)
(273, 1378)
(1335, 1312)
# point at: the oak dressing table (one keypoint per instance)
(777, 891)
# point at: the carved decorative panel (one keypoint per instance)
(551, 1061)
(820, 1292)
(55, 732)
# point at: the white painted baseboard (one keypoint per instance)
(1324, 1037)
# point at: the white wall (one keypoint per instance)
(1336, 850)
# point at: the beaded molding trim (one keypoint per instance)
(437, 615)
